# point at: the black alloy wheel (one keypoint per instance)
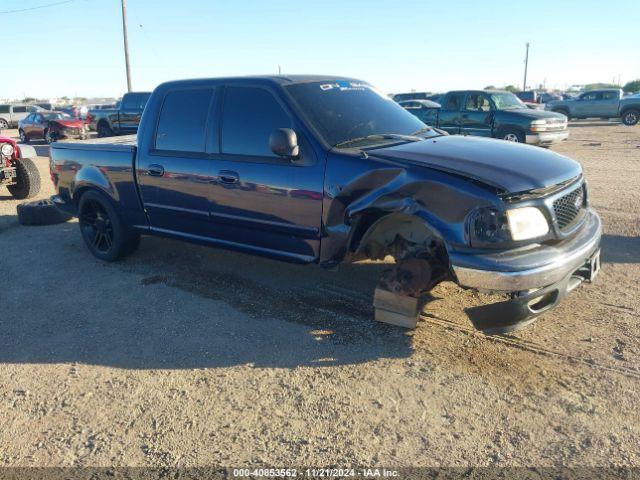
(97, 227)
(107, 237)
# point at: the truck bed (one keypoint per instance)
(125, 143)
(108, 164)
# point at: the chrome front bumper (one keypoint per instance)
(546, 138)
(528, 268)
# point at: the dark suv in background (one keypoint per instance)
(122, 120)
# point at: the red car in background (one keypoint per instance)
(51, 126)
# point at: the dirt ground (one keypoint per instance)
(188, 356)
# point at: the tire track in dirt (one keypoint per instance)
(529, 346)
(507, 340)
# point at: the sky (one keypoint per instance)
(76, 48)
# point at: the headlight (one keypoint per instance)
(487, 227)
(526, 223)
(538, 126)
(7, 150)
(492, 227)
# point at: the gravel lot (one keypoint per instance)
(188, 356)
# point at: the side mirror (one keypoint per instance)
(284, 143)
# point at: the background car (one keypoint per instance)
(545, 97)
(528, 96)
(399, 97)
(46, 106)
(10, 115)
(425, 110)
(123, 119)
(493, 113)
(602, 103)
(51, 126)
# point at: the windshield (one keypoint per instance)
(55, 116)
(506, 101)
(349, 110)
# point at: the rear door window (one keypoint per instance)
(183, 120)
(454, 101)
(20, 109)
(477, 102)
(135, 101)
(250, 115)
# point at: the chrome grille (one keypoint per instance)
(556, 124)
(569, 207)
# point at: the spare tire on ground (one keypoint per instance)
(41, 212)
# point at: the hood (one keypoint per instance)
(510, 167)
(533, 114)
(69, 123)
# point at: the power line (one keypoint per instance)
(37, 7)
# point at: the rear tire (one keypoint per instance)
(107, 237)
(28, 180)
(104, 130)
(23, 137)
(631, 117)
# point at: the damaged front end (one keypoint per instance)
(439, 225)
(534, 277)
(523, 307)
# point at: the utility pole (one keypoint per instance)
(126, 44)
(526, 65)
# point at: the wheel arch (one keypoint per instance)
(91, 178)
(26, 151)
(510, 127)
(375, 232)
(626, 109)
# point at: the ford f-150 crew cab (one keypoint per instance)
(605, 103)
(492, 113)
(326, 170)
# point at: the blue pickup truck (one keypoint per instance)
(325, 170)
(605, 103)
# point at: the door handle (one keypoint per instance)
(155, 170)
(228, 176)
